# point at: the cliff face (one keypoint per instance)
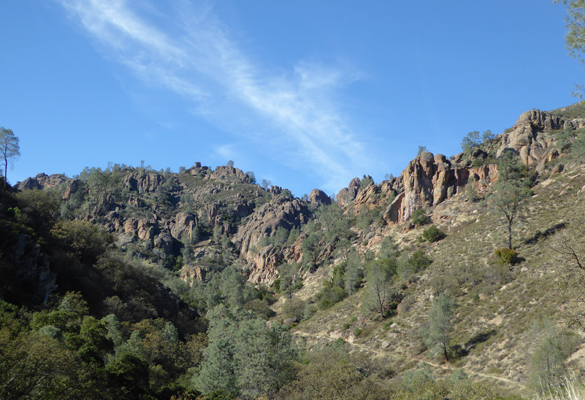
(429, 179)
(531, 136)
(166, 213)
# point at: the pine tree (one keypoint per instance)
(9, 149)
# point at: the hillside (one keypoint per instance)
(354, 279)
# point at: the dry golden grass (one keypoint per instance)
(496, 303)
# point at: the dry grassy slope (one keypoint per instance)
(501, 307)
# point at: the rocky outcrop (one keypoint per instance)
(261, 268)
(227, 173)
(143, 182)
(199, 171)
(184, 224)
(348, 194)
(42, 181)
(190, 273)
(319, 196)
(260, 264)
(429, 180)
(281, 211)
(531, 136)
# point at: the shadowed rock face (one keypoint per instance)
(349, 193)
(143, 182)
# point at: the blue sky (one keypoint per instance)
(307, 94)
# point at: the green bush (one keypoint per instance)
(330, 295)
(506, 256)
(260, 308)
(420, 260)
(82, 239)
(357, 332)
(420, 217)
(432, 235)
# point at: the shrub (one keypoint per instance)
(260, 308)
(330, 295)
(506, 256)
(470, 191)
(357, 332)
(294, 308)
(432, 235)
(420, 260)
(82, 239)
(420, 217)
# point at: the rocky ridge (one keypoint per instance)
(161, 212)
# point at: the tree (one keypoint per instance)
(575, 38)
(104, 187)
(440, 324)
(432, 234)
(470, 192)
(265, 184)
(332, 374)
(82, 239)
(567, 240)
(251, 176)
(511, 189)
(353, 273)
(420, 217)
(9, 149)
(470, 142)
(36, 366)
(232, 286)
(287, 274)
(508, 201)
(378, 290)
(487, 135)
(245, 357)
(552, 347)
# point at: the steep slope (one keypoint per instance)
(317, 256)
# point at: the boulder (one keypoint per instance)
(348, 194)
(184, 222)
(557, 169)
(164, 241)
(531, 136)
(318, 196)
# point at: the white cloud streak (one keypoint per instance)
(202, 63)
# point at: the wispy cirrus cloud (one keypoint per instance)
(194, 55)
